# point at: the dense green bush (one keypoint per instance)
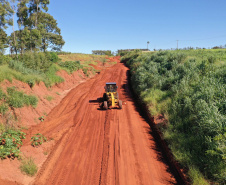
(4, 59)
(71, 65)
(19, 66)
(10, 143)
(190, 88)
(36, 61)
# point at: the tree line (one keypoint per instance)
(102, 52)
(38, 30)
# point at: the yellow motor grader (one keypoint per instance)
(110, 97)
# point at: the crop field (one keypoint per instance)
(189, 89)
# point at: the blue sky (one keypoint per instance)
(128, 24)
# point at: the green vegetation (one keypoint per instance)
(32, 68)
(189, 88)
(49, 98)
(41, 118)
(29, 167)
(79, 57)
(10, 142)
(38, 139)
(103, 60)
(18, 99)
(15, 99)
(102, 52)
(71, 66)
(38, 30)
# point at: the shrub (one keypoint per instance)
(104, 61)
(212, 59)
(53, 57)
(71, 65)
(38, 139)
(10, 143)
(4, 59)
(2, 128)
(29, 167)
(19, 66)
(3, 108)
(2, 95)
(36, 61)
(49, 98)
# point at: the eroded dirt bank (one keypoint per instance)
(91, 146)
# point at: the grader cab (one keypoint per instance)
(110, 97)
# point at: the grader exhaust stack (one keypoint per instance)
(110, 97)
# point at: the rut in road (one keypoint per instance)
(101, 147)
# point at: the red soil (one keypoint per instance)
(91, 146)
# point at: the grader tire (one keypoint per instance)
(105, 97)
(120, 104)
(105, 105)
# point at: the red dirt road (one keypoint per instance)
(100, 147)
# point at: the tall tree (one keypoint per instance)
(22, 13)
(32, 15)
(13, 10)
(5, 19)
(51, 33)
(5, 13)
(36, 7)
(3, 40)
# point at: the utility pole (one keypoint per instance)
(147, 44)
(177, 44)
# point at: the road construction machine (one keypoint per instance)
(111, 97)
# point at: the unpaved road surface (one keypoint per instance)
(101, 147)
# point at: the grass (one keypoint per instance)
(29, 167)
(70, 66)
(10, 74)
(84, 58)
(49, 98)
(51, 77)
(196, 177)
(3, 108)
(18, 99)
(2, 128)
(33, 68)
